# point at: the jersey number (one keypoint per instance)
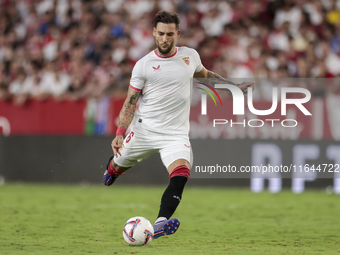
(129, 137)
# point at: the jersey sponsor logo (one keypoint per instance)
(188, 146)
(186, 60)
(156, 68)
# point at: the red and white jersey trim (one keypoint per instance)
(134, 88)
(166, 56)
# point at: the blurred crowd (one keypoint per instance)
(72, 49)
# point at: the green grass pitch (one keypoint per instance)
(65, 219)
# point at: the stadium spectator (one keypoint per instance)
(17, 88)
(245, 38)
(54, 82)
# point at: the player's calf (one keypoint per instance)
(170, 200)
(173, 194)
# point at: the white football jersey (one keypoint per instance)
(165, 83)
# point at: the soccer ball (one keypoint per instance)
(138, 231)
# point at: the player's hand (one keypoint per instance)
(244, 86)
(116, 144)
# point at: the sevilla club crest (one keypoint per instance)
(186, 60)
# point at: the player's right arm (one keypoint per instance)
(125, 118)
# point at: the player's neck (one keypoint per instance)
(173, 50)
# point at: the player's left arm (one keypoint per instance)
(215, 78)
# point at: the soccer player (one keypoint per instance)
(161, 123)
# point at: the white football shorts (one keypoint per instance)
(140, 144)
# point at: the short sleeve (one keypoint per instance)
(198, 62)
(137, 78)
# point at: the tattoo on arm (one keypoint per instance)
(215, 78)
(133, 97)
(128, 110)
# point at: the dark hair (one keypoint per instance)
(166, 18)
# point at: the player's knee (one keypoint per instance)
(182, 170)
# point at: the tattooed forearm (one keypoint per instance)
(211, 78)
(128, 110)
(215, 78)
(126, 115)
(133, 97)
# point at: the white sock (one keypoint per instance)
(160, 219)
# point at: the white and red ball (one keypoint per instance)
(138, 231)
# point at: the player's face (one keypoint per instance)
(166, 35)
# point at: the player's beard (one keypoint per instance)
(166, 51)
